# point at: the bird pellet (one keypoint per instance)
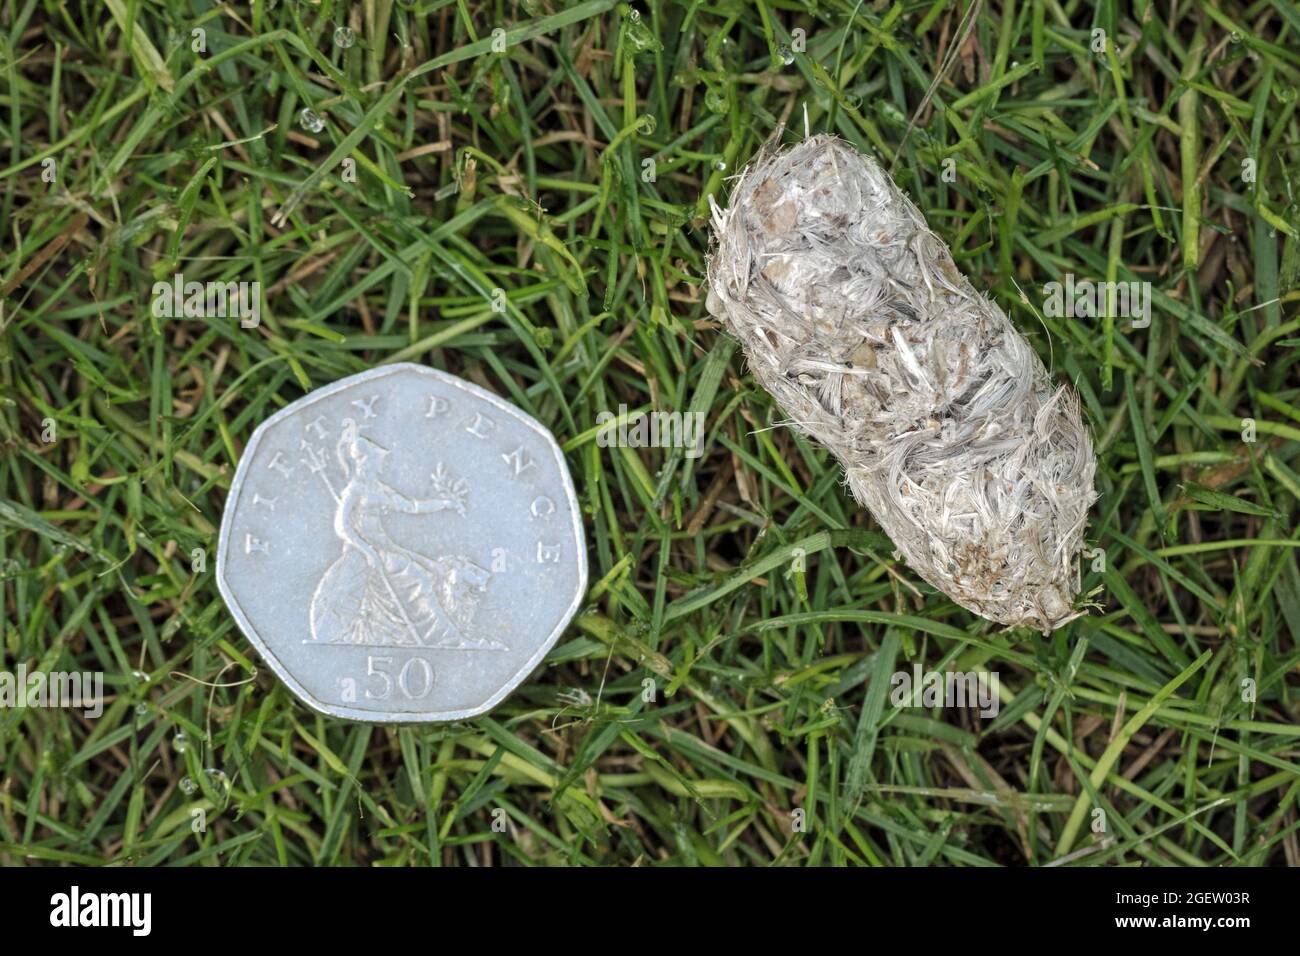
(854, 317)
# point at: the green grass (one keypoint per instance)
(770, 739)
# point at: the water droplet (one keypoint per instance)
(180, 743)
(142, 710)
(141, 676)
(219, 782)
(640, 37)
(786, 54)
(647, 123)
(634, 15)
(715, 100)
(344, 38)
(1235, 37)
(310, 121)
(720, 165)
(218, 779)
(188, 786)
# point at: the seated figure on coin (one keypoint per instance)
(379, 591)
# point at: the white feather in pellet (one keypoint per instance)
(854, 316)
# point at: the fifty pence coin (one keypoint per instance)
(402, 546)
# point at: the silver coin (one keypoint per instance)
(402, 545)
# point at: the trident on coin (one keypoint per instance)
(315, 462)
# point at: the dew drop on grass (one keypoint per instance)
(142, 710)
(640, 38)
(786, 54)
(310, 121)
(715, 100)
(180, 743)
(646, 123)
(188, 786)
(720, 165)
(344, 38)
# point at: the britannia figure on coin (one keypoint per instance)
(379, 591)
